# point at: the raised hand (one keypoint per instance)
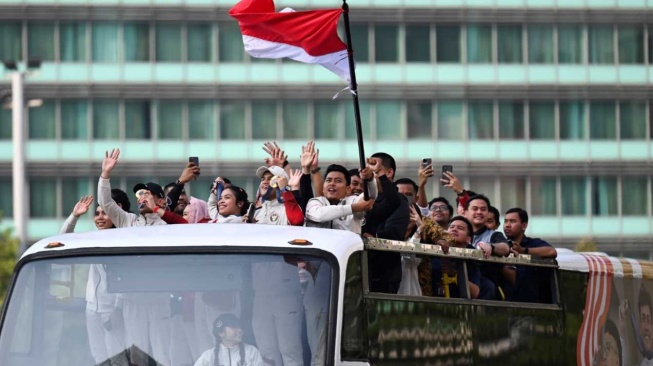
(452, 182)
(424, 173)
(82, 206)
(295, 178)
(109, 162)
(414, 217)
(190, 172)
(362, 205)
(277, 156)
(374, 164)
(307, 157)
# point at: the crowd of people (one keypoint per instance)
(370, 202)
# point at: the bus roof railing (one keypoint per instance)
(454, 252)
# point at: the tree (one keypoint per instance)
(8, 250)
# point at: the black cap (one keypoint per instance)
(226, 320)
(154, 189)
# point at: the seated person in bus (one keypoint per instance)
(446, 272)
(531, 284)
(337, 210)
(229, 347)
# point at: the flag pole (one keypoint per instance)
(354, 92)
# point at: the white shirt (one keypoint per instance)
(231, 356)
(118, 216)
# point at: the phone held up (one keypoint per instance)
(195, 160)
(426, 162)
(445, 169)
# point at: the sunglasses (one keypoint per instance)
(141, 192)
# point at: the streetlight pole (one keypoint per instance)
(18, 163)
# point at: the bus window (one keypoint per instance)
(168, 309)
(353, 312)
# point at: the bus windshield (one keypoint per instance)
(252, 309)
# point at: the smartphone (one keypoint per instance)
(426, 162)
(195, 160)
(446, 168)
(250, 212)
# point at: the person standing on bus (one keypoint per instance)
(337, 210)
(146, 315)
(229, 347)
(491, 242)
(528, 280)
(388, 219)
(104, 322)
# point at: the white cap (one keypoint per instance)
(276, 171)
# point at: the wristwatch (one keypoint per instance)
(316, 170)
(287, 188)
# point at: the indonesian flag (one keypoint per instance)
(304, 36)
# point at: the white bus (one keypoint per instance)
(154, 296)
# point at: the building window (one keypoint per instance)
(386, 43)
(513, 193)
(450, 120)
(479, 44)
(631, 45)
(419, 119)
(418, 43)
(350, 120)
(572, 120)
(105, 42)
(541, 120)
(480, 121)
(634, 199)
(168, 42)
(138, 120)
(264, 120)
(511, 120)
(72, 42)
(10, 41)
(106, 120)
(295, 120)
(603, 124)
(540, 44)
(570, 44)
(74, 119)
(604, 196)
(170, 120)
(72, 189)
(5, 124)
(201, 120)
(509, 42)
(485, 185)
(543, 196)
(632, 120)
(601, 44)
(388, 120)
(573, 190)
(40, 41)
(232, 120)
(137, 42)
(6, 198)
(198, 39)
(42, 122)
(43, 197)
(230, 43)
(448, 44)
(360, 35)
(326, 118)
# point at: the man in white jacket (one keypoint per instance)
(336, 209)
(144, 314)
(120, 217)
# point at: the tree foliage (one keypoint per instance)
(8, 250)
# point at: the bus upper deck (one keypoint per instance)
(155, 294)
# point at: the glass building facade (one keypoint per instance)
(540, 104)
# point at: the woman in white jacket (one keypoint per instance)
(103, 321)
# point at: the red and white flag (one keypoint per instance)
(304, 36)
